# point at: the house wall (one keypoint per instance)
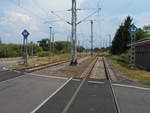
(142, 56)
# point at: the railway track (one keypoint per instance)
(42, 66)
(111, 87)
(85, 76)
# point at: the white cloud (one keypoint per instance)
(54, 4)
(142, 19)
(16, 16)
(15, 21)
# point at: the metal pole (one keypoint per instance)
(79, 45)
(109, 40)
(91, 37)
(132, 50)
(26, 52)
(68, 43)
(0, 40)
(32, 49)
(53, 42)
(73, 35)
(5, 51)
(50, 41)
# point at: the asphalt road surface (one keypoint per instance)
(24, 93)
(6, 75)
(133, 100)
(31, 93)
(93, 98)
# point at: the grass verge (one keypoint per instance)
(43, 60)
(122, 62)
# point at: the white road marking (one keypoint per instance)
(94, 82)
(76, 80)
(47, 76)
(10, 79)
(128, 86)
(39, 106)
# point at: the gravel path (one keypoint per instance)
(64, 70)
(98, 71)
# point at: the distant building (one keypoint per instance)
(142, 53)
(147, 28)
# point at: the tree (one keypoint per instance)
(0, 40)
(62, 47)
(80, 48)
(44, 43)
(141, 34)
(33, 49)
(96, 49)
(16, 50)
(122, 37)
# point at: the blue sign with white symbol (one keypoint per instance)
(25, 33)
(133, 29)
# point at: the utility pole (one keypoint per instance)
(91, 37)
(74, 24)
(50, 28)
(68, 43)
(53, 42)
(79, 47)
(109, 40)
(73, 34)
(0, 40)
(5, 50)
(32, 49)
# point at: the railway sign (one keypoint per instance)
(133, 29)
(25, 33)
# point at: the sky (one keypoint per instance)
(36, 17)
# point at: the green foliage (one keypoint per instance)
(96, 49)
(0, 41)
(80, 48)
(16, 50)
(43, 54)
(2, 50)
(122, 58)
(122, 37)
(44, 43)
(141, 34)
(10, 50)
(62, 47)
(58, 47)
(34, 49)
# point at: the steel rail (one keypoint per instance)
(43, 66)
(111, 87)
(47, 66)
(87, 73)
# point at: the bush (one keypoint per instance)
(123, 58)
(43, 54)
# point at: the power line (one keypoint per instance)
(37, 4)
(26, 10)
(88, 16)
(60, 17)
